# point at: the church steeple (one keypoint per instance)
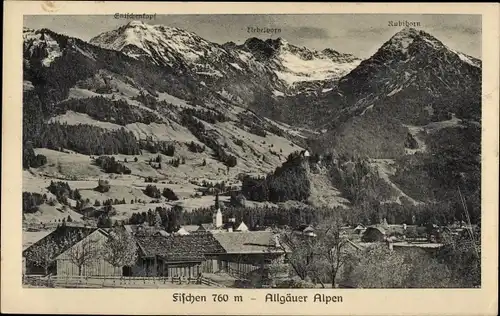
(217, 218)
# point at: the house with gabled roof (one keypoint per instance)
(242, 227)
(89, 252)
(191, 228)
(171, 256)
(374, 233)
(55, 247)
(237, 252)
(248, 251)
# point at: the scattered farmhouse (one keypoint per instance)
(305, 230)
(359, 229)
(373, 234)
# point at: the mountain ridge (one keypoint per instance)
(229, 60)
(395, 105)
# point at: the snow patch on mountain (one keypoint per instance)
(368, 108)
(467, 59)
(78, 93)
(278, 93)
(38, 42)
(294, 68)
(173, 100)
(214, 73)
(393, 92)
(236, 66)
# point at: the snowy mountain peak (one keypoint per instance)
(409, 41)
(402, 40)
(159, 42)
(408, 31)
(136, 23)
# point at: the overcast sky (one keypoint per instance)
(358, 34)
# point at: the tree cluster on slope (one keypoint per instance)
(149, 100)
(152, 191)
(85, 139)
(195, 147)
(63, 192)
(102, 186)
(107, 110)
(31, 201)
(198, 129)
(288, 182)
(169, 194)
(110, 165)
(209, 116)
(162, 218)
(163, 147)
(30, 159)
(258, 126)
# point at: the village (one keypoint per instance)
(215, 254)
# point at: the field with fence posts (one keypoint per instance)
(73, 281)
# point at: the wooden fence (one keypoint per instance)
(74, 281)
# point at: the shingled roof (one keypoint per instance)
(191, 247)
(63, 237)
(247, 242)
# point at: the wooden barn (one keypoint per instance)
(51, 254)
(169, 256)
(85, 257)
(247, 251)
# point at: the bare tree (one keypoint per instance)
(84, 253)
(333, 249)
(299, 251)
(320, 257)
(42, 255)
(120, 249)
